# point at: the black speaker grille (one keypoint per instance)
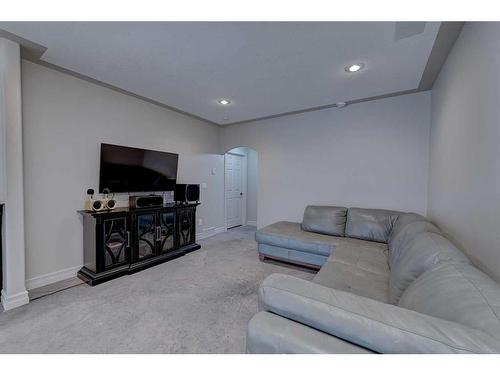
(193, 193)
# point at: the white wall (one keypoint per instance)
(464, 182)
(252, 186)
(372, 154)
(65, 120)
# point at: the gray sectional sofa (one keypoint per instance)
(388, 282)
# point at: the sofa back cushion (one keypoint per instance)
(370, 224)
(325, 219)
(405, 235)
(457, 292)
(402, 221)
(425, 251)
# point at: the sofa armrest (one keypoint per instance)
(268, 333)
(368, 323)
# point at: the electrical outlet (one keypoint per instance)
(203, 185)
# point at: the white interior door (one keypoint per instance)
(234, 190)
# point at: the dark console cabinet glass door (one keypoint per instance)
(154, 232)
(115, 243)
(166, 231)
(146, 235)
(186, 219)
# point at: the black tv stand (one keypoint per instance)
(125, 240)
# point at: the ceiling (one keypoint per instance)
(263, 68)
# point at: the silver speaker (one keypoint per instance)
(109, 203)
(92, 204)
(96, 204)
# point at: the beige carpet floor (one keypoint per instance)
(199, 303)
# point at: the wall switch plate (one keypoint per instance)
(214, 171)
(200, 221)
(203, 185)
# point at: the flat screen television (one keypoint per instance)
(128, 169)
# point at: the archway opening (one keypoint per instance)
(240, 187)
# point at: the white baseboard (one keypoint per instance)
(53, 277)
(209, 232)
(252, 223)
(10, 302)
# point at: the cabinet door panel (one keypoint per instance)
(186, 226)
(167, 231)
(146, 235)
(116, 241)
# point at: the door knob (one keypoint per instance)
(241, 193)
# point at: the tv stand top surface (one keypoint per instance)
(128, 209)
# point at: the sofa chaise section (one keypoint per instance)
(287, 241)
(323, 228)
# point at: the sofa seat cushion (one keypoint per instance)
(457, 292)
(370, 256)
(290, 236)
(325, 219)
(425, 251)
(370, 224)
(359, 267)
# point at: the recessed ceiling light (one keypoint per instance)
(340, 104)
(224, 101)
(354, 68)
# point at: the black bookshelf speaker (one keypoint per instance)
(187, 193)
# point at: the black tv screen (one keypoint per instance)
(128, 169)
